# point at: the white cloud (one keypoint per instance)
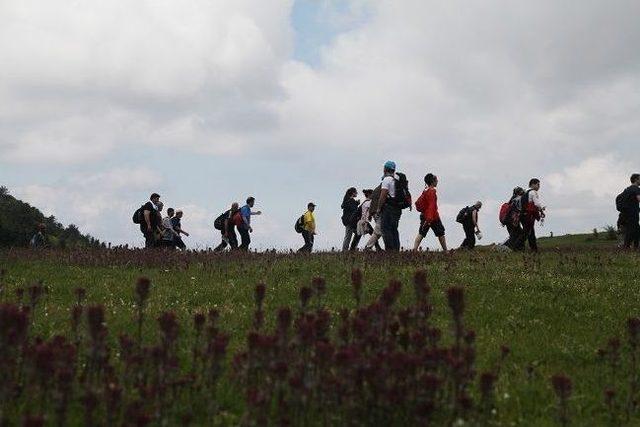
(485, 94)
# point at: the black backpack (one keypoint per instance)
(375, 198)
(299, 225)
(462, 215)
(137, 215)
(622, 202)
(402, 199)
(218, 224)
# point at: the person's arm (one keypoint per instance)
(383, 198)
(147, 219)
(474, 215)
(226, 227)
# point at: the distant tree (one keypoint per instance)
(19, 220)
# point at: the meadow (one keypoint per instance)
(503, 339)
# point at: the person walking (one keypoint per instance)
(511, 220)
(363, 227)
(168, 233)
(377, 221)
(628, 204)
(150, 220)
(176, 223)
(349, 208)
(225, 223)
(39, 239)
(308, 228)
(244, 228)
(427, 205)
(468, 217)
(388, 211)
(532, 211)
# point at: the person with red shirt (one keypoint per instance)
(427, 205)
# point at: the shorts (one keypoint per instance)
(436, 226)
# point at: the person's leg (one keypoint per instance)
(387, 229)
(355, 241)
(348, 233)
(311, 239)
(149, 239)
(306, 242)
(396, 229)
(180, 243)
(233, 240)
(469, 238)
(531, 236)
(244, 238)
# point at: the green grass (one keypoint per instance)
(554, 311)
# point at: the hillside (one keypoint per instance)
(602, 238)
(18, 222)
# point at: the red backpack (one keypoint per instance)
(420, 207)
(505, 211)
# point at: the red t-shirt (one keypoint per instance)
(431, 205)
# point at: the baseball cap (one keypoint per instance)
(390, 165)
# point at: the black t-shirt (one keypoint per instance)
(633, 191)
(153, 216)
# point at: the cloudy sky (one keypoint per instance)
(209, 101)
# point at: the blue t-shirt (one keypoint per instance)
(245, 211)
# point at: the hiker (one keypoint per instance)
(532, 210)
(176, 222)
(149, 218)
(39, 239)
(244, 228)
(628, 204)
(168, 233)
(377, 221)
(468, 217)
(225, 224)
(349, 208)
(307, 228)
(510, 218)
(427, 205)
(363, 226)
(394, 197)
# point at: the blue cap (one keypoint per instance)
(390, 165)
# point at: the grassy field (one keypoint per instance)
(554, 311)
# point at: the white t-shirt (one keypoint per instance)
(167, 233)
(389, 184)
(365, 210)
(535, 198)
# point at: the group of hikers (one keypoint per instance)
(159, 231)
(377, 218)
(384, 205)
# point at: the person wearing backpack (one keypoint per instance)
(532, 211)
(628, 204)
(148, 216)
(511, 220)
(349, 208)
(394, 197)
(427, 205)
(308, 230)
(225, 224)
(468, 217)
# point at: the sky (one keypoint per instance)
(210, 101)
